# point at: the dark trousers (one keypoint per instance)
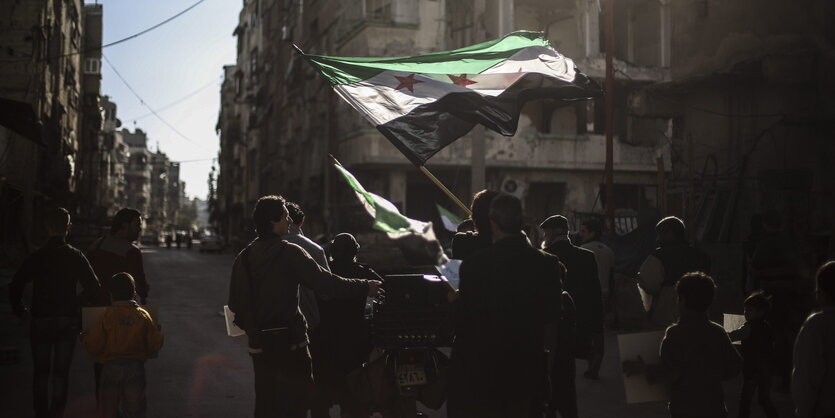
(762, 386)
(52, 361)
(283, 383)
(595, 355)
(563, 388)
(122, 389)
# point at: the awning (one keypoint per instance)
(20, 118)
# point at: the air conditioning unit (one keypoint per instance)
(515, 187)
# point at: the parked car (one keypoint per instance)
(151, 238)
(211, 243)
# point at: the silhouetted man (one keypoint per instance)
(343, 339)
(263, 294)
(307, 299)
(467, 243)
(663, 268)
(813, 378)
(54, 271)
(508, 293)
(583, 283)
(590, 232)
(116, 253)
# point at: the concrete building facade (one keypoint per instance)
(115, 156)
(40, 110)
(554, 162)
(138, 170)
(721, 114)
(157, 215)
(92, 169)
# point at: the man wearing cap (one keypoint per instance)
(584, 286)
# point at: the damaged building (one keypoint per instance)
(709, 99)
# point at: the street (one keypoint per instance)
(201, 372)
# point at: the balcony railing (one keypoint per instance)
(358, 13)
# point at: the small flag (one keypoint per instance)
(386, 216)
(416, 239)
(449, 219)
(424, 103)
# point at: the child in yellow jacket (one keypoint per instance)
(121, 339)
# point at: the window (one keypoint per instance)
(69, 76)
(92, 66)
(253, 66)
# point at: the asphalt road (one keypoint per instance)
(201, 372)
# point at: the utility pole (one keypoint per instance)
(478, 147)
(609, 17)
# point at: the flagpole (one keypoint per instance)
(609, 91)
(441, 186)
(434, 179)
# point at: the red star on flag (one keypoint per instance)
(407, 82)
(461, 80)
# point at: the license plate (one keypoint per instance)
(410, 375)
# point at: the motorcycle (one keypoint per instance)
(408, 326)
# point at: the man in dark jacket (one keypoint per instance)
(508, 293)
(263, 293)
(54, 271)
(664, 267)
(343, 338)
(465, 244)
(583, 284)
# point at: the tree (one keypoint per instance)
(187, 217)
(211, 199)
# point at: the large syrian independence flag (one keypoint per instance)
(424, 103)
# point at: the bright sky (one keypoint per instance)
(180, 58)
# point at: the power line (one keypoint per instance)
(194, 161)
(142, 101)
(178, 101)
(135, 35)
(153, 27)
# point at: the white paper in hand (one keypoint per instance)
(645, 345)
(732, 322)
(232, 330)
(450, 272)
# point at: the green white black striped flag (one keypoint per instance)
(415, 239)
(386, 216)
(424, 103)
(449, 219)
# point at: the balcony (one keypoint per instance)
(538, 151)
(357, 14)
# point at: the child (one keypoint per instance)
(696, 354)
(757, 355)
(121, 339)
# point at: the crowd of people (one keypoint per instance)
(523, 313)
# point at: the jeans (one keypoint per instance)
(283, 383)
(53, 344)
(122, 389)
